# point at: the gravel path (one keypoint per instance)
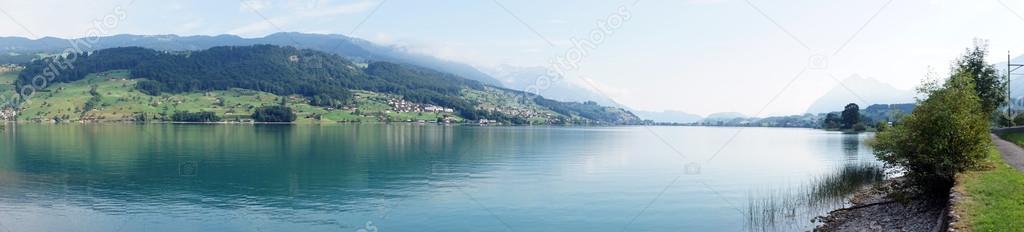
(1012, 153)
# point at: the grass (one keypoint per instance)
(789, 208)
(6, 86)
(994, 197)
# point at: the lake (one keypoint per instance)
(407, 177)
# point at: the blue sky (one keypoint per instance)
(699, 56)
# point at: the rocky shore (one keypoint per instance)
(872, 210)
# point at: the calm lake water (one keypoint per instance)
(418, 177)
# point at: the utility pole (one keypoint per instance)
(1010, 67)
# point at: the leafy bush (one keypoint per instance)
(273, 114)
(947, 133)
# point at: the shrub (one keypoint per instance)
(947, 133)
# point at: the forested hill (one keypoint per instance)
(326, 80)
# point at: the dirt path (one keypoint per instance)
(1012, 153)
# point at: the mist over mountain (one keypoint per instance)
(20, 50)
(521, 78)
(856, 89)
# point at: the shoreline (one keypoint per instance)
(870, 209)
(311, 123)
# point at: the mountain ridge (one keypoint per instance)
(349, 47)
(860, 90)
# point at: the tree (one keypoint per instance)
(149, 87)
(832, 121)
(273, 114)
(988, 84)
(947, 133)
(851, 115)
(203, 116)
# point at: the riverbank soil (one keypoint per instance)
(873, 210)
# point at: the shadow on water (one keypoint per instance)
(792, 207)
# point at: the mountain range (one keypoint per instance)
(861, 90)
(134, 83)
(526, 78)
(23, 49)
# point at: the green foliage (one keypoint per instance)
(273, 114)
(859, 127)
(589, 110)
(851, 115)
(204, 116)
(988, 84)
(140, 117)
(832, 121)
(881, 126)
(149, 87)
(947, 133)
(94, 101)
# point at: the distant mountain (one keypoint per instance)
(724, 116)
(14, 49)
(887, 112)
(669, 116)
(521, 78)
(857, 89)
(1017, 82)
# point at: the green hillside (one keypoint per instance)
(133, 84)
(120, 101)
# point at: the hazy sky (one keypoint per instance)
(699, 56)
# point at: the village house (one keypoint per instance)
(8, 114)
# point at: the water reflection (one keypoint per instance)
(851, 145)
(787, 208)
(401, 177)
